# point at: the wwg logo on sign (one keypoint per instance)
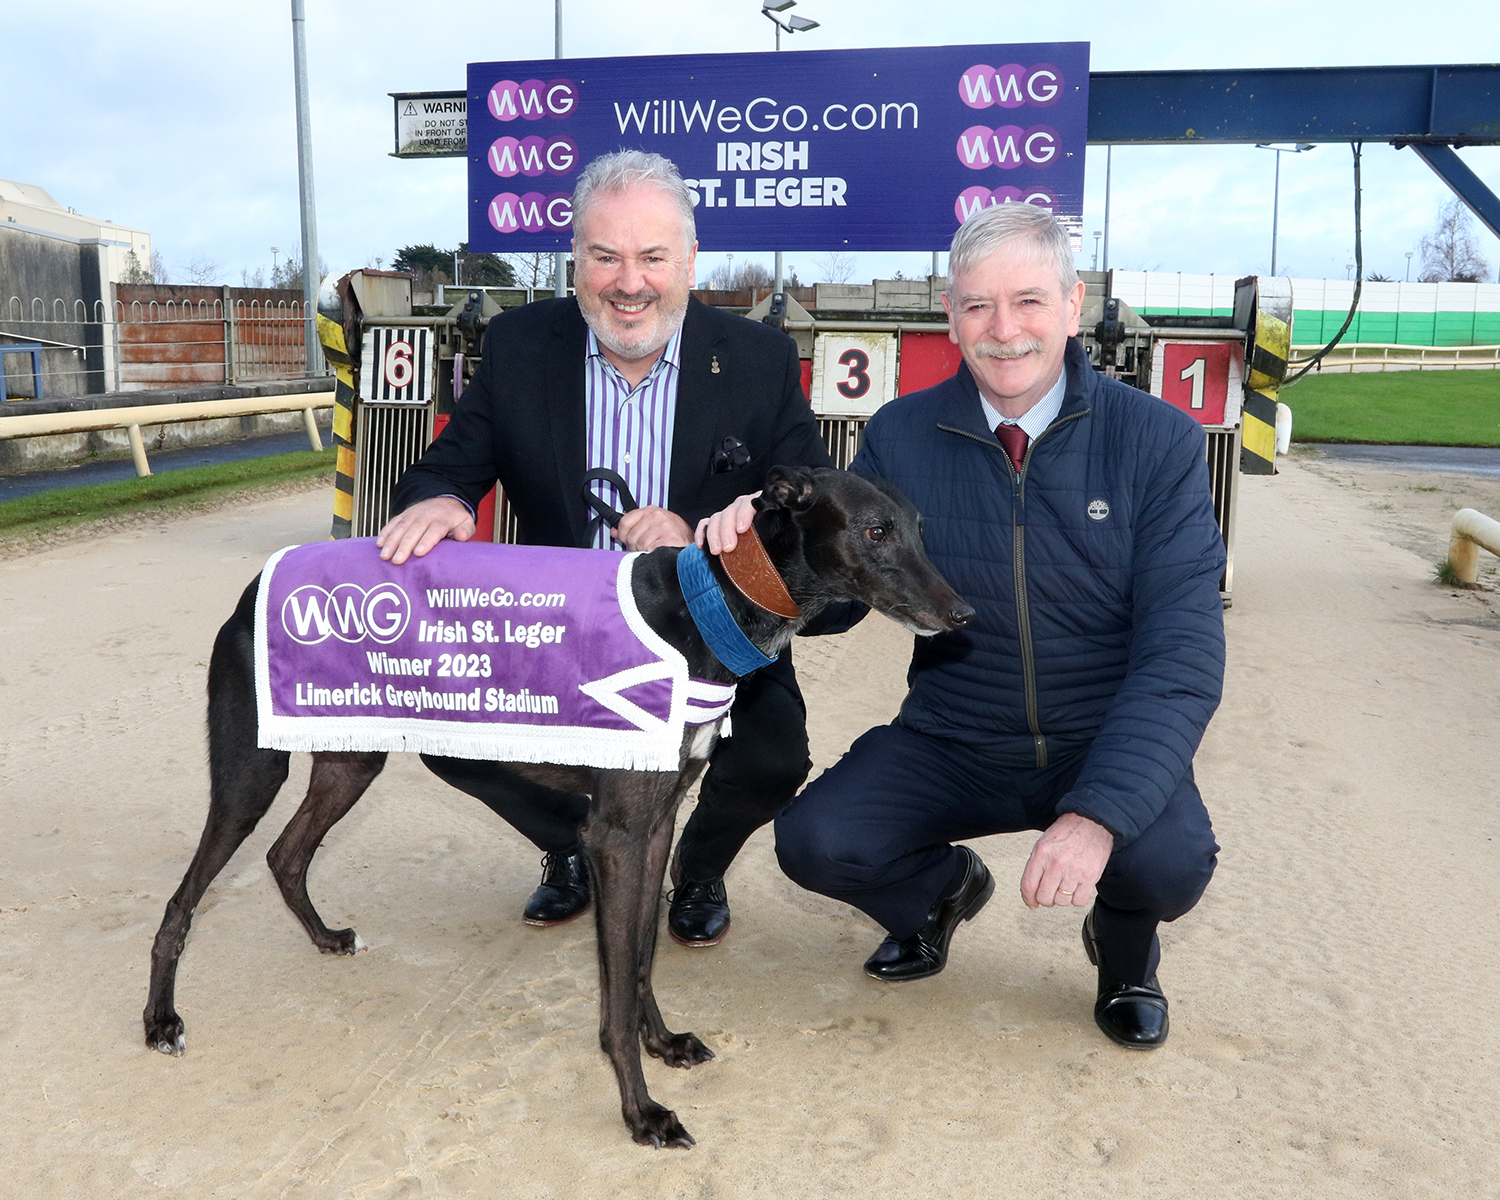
(312, 614)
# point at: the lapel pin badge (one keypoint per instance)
(714, 368)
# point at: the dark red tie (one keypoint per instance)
(1014, 439)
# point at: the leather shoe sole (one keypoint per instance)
(1132, 1015)
(925, 953)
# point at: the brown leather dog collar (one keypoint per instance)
(750, 569)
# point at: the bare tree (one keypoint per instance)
(289, 273)
(138, 272)
(203, 270)
(730, 276)
(837, 267)
(1448, 252)
(532, 270)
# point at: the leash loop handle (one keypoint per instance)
(598, 504)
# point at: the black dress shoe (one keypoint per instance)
(563, 893)
(698, 913)
(1133, 1015)
(926, 952)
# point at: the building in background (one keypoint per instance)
(57, 271)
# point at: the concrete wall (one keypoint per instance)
(37, 267)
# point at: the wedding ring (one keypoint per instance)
(1060, 892)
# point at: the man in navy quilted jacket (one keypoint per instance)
(1074, 514)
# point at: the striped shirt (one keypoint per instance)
(630, 430)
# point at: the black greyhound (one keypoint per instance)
(831, 535)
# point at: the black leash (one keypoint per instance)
(596, 502)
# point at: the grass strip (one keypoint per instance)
(1398, 408)
(76, 505)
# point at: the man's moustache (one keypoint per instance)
(1016, 349)
(618, 297)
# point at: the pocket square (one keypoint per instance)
(731, 455)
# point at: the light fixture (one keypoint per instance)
(1294, 148)
(769, 9)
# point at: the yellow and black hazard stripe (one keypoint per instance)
(331, 334)
(1269, 350)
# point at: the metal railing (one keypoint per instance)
(132, 418)
(1360, 357)
(1471, 530)
(117, 345)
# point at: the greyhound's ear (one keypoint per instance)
(789, 488)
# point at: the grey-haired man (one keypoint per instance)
(1074, 514)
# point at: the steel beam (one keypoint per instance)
(1453, 105)
(1429, 108)
(1466, 185)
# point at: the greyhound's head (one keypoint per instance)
(838, 536)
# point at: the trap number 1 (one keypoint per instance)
(1195, 371)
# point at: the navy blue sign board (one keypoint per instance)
(800, 150)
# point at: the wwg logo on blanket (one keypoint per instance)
(313, 614)
(446, 655)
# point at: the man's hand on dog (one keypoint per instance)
(721, 530)
(423, 526)
(1066, 863)
(650, 527)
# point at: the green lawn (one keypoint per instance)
(1398, 408)
(72, 506)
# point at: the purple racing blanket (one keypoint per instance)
(507, 653)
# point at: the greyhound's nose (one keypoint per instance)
(960, 615)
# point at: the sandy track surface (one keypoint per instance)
(1335, 1008)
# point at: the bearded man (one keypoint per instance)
(690, 406)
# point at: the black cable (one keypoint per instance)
(1359, 282)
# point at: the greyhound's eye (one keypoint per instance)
(876, 533)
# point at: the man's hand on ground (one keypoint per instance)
(1066, 863)
(650, 527)
(720, 531)
(423, 526)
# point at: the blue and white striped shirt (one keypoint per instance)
(630, 430)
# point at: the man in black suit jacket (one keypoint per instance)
(524, 421)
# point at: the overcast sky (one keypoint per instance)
(177, 117)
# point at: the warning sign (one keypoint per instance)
(431, 124)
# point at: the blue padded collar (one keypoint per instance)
(710, 613)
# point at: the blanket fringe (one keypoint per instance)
(488, 746)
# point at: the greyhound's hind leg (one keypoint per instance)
(337, 783)
(243, 780)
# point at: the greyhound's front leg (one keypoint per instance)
(674, 1049)
(617, 838)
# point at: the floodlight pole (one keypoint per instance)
(1297, 148)
(1109, 155)
(766, 12)
(310, 262)
(1275, 212)
(560, 259)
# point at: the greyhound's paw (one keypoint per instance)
(166, 1034)
(659, 1127)
(341, 941)
(679, 1050)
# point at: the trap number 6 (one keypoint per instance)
(397, 366)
